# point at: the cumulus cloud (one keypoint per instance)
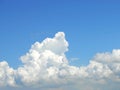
(46, 67)
(6, 75)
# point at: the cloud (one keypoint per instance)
(73, 59)
(46, 67)
(6, 75)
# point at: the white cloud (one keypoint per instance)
(46, 67)
(73, 59)
(6, 75)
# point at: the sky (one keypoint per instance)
(83, 35)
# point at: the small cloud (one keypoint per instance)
(74, 59)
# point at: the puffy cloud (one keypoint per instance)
(6, 75)
(46, 67)
(111, 60)
(43, 61)
(108, 57)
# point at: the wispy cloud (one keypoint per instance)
(46, 67)
(74, 59)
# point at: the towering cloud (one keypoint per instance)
(46, 67)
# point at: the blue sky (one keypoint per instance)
(90, 26)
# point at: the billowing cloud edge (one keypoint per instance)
(46, 66)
